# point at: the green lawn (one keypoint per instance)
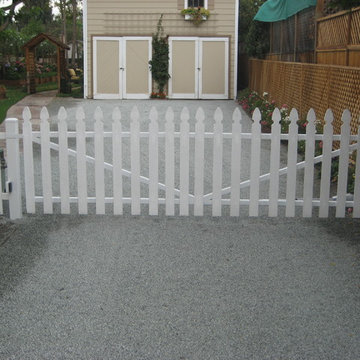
(15, 94)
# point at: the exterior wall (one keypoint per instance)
(140, 17)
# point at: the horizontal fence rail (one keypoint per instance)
(182, 170)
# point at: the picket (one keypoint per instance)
(63, 161)
(343, 164)
(169, 162)
(184, 162)
(309, 164)
(153, 162)
(81, 162)
(99, 161)
(274, 164)
(291, 161)
(46, 161)
(219, 139)
(28, 162)
(356, 209)
(135, 160)
(217, 162)
(199, 161)
(235, 163)
(326, 165)
(255, 164)
(117, 161)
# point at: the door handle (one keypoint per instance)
(122, 68)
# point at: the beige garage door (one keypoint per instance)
(199, 68)
(107, 80)
(121, 67)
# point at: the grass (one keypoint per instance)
(15, 94)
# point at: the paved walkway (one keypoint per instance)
(35, 102)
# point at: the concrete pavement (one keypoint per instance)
(104, 287)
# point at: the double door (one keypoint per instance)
(121, 67)
(199, 68)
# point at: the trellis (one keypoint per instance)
(30, 58)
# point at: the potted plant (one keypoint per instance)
(196, 15)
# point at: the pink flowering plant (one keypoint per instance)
(250, 100)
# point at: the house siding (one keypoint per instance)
(139, 18)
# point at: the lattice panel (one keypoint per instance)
(305, 86)
(333, 31)
(355, 27)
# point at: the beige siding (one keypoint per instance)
(140, 17)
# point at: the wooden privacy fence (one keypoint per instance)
(305, 86)
(338, 38)
(52, 147)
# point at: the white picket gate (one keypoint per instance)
(177, 142)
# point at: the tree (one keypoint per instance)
(74, 31)
(253, 35)
(7, 13)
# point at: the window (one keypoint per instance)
(196, 3)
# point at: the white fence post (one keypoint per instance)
(13, 162)
(184, 162)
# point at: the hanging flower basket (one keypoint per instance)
(196, 15)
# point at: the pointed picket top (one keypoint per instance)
(346, 119)
(256, 116)
(80, 114)
(329, 117)
(294, 115)
(44, 114)
(218, 115)
(237, 116)
(116, 114)
(311, 118)
(169, 115)
(185, 115)
(98, 115)
(200, 115)
(294, 118)
(62, 114)
(26, 114)
(153, 116)
(135, 115)
(276, 116)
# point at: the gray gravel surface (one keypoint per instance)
(104, 287)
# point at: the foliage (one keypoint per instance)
(257, 39)
(17, 70)
(342, 4)
(197, 15)
(13, 96)
(253, 35)
(159, 65)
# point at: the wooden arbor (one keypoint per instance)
(30, 59)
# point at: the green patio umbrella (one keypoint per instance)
(276, 10)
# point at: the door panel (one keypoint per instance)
(106, 64)
(183, 68)
(121, 67)
(199, 68)
(214, 73)
(137, 73)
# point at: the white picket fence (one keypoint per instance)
(177, 142)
